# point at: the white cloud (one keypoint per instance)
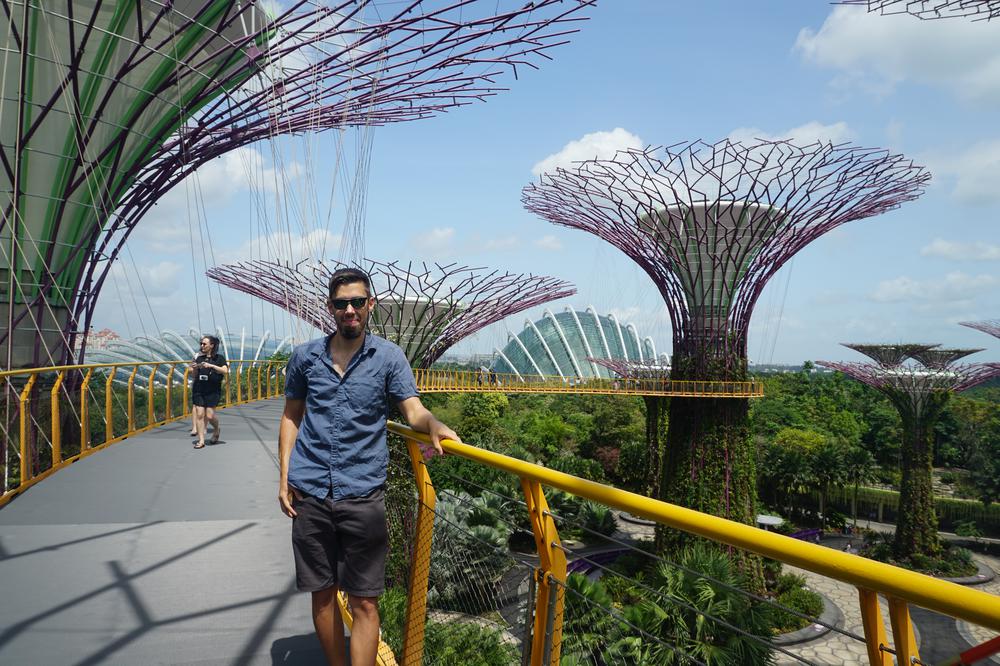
(596, 145)
(977, 251)
(171, 223)
(953, 288)
(438, 241)
(975, 172)
(502, 243)
(283, 246)
(802, 135)
(549, 242)
(878, 52)
(157, 280)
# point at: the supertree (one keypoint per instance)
(111, 104)
(989, 326)
(656, 371)
(710, 224)
(919, 391)
(425, 309)
(978, 10)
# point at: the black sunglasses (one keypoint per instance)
(356, 303)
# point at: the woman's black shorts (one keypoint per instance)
(206, 399)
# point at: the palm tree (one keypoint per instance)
(691, 613)
(828, 471)
(859, 466)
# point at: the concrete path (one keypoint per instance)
(152, 552)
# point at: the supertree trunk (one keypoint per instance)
(657, 408)
(710, 463)
(916, 524)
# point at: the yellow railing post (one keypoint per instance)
(85, 411)
(239, 382)
(151, 411)
(260, 388)
(903, 639)
(550, 578)
(184, 392)
(170, 385)
(56, 425)
(109, 420)
(420, 566)
(131, 400)
(874, 628)
(24, 399)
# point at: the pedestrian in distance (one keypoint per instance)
(208, 369)
(333, 461)
(194, 420)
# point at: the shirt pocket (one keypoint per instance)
(367, 398)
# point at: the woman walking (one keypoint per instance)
(209, 366)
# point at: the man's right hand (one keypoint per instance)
(286, 497)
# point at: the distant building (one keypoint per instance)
(560, 344)
(173, 346)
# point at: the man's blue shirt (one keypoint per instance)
(341, 450)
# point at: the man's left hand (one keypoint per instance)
(437, 431)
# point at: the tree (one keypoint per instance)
(827, 462)
(859, 467)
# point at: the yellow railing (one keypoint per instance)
(899, 586)
(458, 381)
(68, 390)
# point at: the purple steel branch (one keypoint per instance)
(312, 67)
(441, 304)
(803, 191)
(989, 326)
(978, 10)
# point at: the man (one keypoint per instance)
(333, 458)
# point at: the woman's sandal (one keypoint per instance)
(199, 445)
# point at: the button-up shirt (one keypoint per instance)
(341, 450)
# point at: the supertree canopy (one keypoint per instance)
(932, 9)
(989, 326)
(425, 309)
(108, 105)
(710, 224)
(919, 391)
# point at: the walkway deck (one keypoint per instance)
(151, 552)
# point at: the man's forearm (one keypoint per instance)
(287, 432)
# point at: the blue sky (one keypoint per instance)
(649, 72)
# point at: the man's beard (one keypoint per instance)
(353, 332)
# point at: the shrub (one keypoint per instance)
(577, 466)
(598, 520)
(454, 642)
(798, 599)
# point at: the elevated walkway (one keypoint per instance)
(151, 552)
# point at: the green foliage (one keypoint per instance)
(968, 528)
(797, 438)
(598, 520)
(587, 623)
(950, 561)
(474, 547)
(798, 599)
(577, 466)
(697, 632)
(632, 461)
(455, 642)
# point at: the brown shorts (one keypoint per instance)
(341, 543)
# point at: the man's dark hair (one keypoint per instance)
(343, 276)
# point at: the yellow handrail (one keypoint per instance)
(28, 429)
(931, 593)
(437, 381)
